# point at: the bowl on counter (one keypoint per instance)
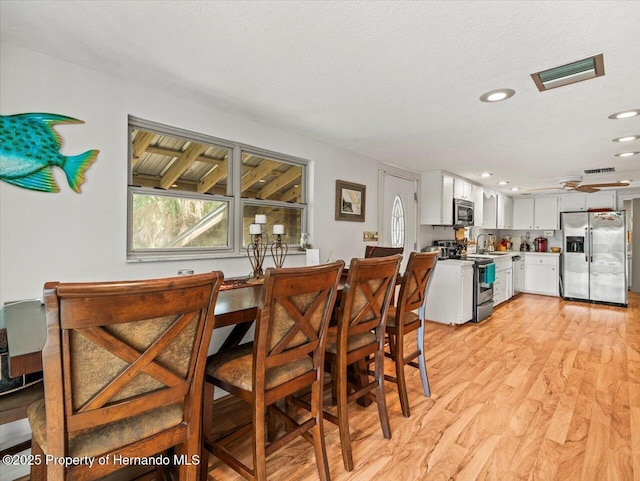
(555, 250)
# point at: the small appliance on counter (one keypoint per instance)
(448, 248)
(540, 244)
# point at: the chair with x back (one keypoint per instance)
(359, 335)
(123, 370)
(286, 356)
(402, 320)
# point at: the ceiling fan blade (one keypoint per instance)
(586, 188)
(612, 184)
(546, 188)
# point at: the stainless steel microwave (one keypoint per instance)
(462, 213)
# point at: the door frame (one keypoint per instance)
(386, 169)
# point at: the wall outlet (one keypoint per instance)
(368, 236)
(548, 233)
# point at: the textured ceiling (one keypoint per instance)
(396, 81)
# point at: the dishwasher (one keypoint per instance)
(518, 274)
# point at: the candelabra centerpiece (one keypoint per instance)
(278, 248)
(257, 248)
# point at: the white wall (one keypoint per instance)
(78, 237)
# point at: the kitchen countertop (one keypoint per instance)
(513, 253)
(456, 262)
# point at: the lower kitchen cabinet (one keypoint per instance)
(541, 274)
(450, 296)
(503, 285)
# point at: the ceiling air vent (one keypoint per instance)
(604, 170)
(570, 73)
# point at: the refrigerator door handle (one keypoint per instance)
(586, 236)
(591, 244)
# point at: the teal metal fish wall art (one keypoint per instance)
(30, 148)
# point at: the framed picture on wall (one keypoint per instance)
(350, 201)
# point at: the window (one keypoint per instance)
(194, 195)
(397, 223)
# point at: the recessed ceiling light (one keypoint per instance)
(486, 174)
(497, 95)
(627, 154)
(515, 188)
(503, 182)
(628, 138)
(627, 114)
(262, 181)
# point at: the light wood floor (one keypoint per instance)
(543, 390)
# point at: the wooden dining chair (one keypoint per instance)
(123, 370)
(402, 320)
(287, 355)
(380, 251)
(13, 406)
(359, 334)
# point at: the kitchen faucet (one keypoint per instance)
(481, 250)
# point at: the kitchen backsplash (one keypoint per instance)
(429, 234)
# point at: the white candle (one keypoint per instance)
(261, 219)
(255, 229)
(278, 229)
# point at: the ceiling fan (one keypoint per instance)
(575, 183)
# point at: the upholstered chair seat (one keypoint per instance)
(103, 439)
(408, 317)
(235, 367)
(355, 341)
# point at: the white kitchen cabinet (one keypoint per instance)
(579, 201)
(545, 213)
(541, 274)
(539, 213)
(462, 189)
(436, 190)
(450, 296)
(601, 200)
(504, 212)
(523, 213)
(503, 285)
(489, 209)
(573, 202)
(478, 206)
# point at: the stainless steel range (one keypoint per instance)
(483, 288)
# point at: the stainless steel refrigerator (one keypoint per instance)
(594, 261)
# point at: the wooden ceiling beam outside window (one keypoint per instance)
(266, 167)
(280, 182)
(181, 164)
(140, 145)
(212, 178)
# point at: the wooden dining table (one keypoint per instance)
(26, 325)
(237, 306)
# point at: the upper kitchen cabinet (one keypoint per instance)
(478, 206)
(545, 213)
(523, 213)
(602, 200)
(505, 212)
(579, 201)
(462, 189)
(436, 189)
(489, 209)
(536, 213)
